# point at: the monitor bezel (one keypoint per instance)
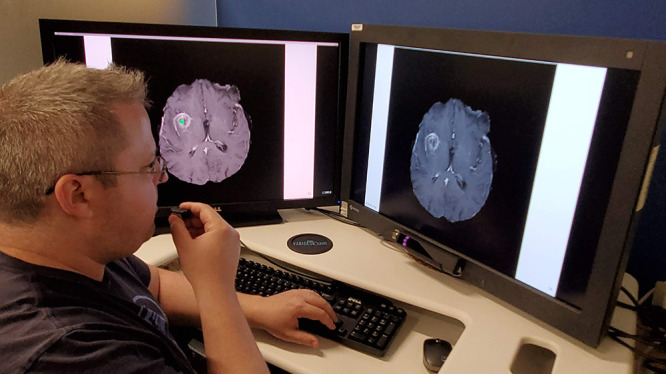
(587, 322)
(243, 212)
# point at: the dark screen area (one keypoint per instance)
(326, 144)
(69, 47)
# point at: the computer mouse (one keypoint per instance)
(435, 352)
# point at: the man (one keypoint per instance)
(78, 194)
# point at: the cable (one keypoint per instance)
(626, 306)
(336, 216)
(646, 297)
(617, 335)
(654, 363)
(660, 369)
(630, 296)
(637, 351)
(652, 342)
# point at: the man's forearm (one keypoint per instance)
(230, 346)
(223, 318)
(176, 297)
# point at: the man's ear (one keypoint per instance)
(73, 194)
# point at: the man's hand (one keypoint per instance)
(208, 247)
(279, 314)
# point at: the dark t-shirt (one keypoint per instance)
(54, 321)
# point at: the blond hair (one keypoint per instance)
(57, 120)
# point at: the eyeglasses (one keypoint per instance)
(158, 167)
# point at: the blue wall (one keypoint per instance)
(645, 19)
(615, 18)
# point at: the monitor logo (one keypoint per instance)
(309, 244)
(353, 208)
(353, 300)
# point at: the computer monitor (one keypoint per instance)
(248, 120)
(513, 161)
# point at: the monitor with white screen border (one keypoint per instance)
(513, 161)
(248, 120)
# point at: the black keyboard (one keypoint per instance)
(367, 322)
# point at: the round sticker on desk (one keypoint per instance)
(309, 244)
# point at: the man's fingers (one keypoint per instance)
(317, 314)
(208, 217)
(179, 232)
(302, 337)
(318, 301)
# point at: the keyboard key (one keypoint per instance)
(357, 336)
(390, 328)
(381, 343)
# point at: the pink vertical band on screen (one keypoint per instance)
(299, 119)
(98, 51)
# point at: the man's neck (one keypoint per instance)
(32, 246)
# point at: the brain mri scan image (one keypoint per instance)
(204, 135)
(452, 161)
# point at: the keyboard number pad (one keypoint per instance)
(377, 326)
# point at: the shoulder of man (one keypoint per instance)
(47, 315)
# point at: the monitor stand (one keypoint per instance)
(257, 218)
(235, 219)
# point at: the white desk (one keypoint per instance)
(486, 332)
